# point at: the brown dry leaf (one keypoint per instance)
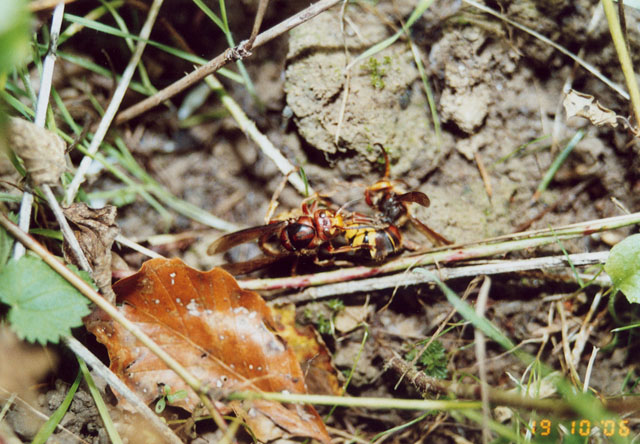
(42, 151)
(95, 230)
(585, 105)
(312, 353)
(222, 334)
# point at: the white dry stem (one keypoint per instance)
(418, 276)
(566, 338)
(24, 217)
(85, 355)
(41, 114)
(111, 110)
(587, 375)
(249, 127)
(137, 247)
(481, 355)
(585, 330)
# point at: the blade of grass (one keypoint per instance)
(50, 425)
(427, 89)
(557, 163)
(129, 42)
(223, 24)
(100, 405)
(369, 403)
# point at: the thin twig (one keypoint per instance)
(221, 60)
(39, 5)
(83, 353)
(262, 8)
(111, 110)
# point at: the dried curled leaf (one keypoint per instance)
(223, 335)
(95, 230)
(585, 105)
(312, 353)
(42, 151)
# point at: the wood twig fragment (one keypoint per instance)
(486, 179)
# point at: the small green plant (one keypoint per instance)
(167, 396)
(324, 325)
(433, 361)
(323, 318)
(377, 71)
(335, 304)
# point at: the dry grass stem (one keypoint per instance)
(481, 355)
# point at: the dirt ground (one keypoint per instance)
(498, 93)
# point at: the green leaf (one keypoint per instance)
(43, 305)
(433, 360)
(623, 265)
(14, 33)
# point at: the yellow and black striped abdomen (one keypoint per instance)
(379, 242)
